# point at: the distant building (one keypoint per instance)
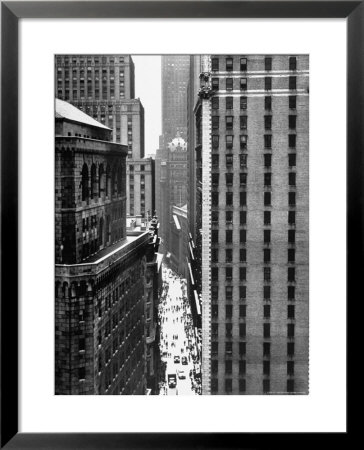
(141, 187)
(103, 86)
(105, 277)
(179, 241)
(252, 128)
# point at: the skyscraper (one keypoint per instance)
(253, 122)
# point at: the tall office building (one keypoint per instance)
(103, 86)
(253, 128)
(106, 278)
(175, 76)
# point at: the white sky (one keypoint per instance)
(148, 89)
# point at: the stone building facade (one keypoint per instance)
(258, 331)
(103, 275)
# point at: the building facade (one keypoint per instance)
(255, 326)
(103, 86)
(103, 275)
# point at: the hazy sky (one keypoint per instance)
(148, 89)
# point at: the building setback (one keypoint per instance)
(104, 276)
(103, 86)
(255, 322)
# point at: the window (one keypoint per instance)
(292, 102)
(229, 217)
(243, 122)
(81, 373)
(291, 198)
(215, 330)
(243, 84)
(242, 217)
(291, 274)
(242, 255)
(215, 84)
(229, 199)
(290, 385)
(242, 385)
(267, 122)
(81, 344)
(215, 217)
(228, 293)
(215, 199)
(242, 348)
(229, 160)
(229, 102)
(292, 179)
(228, 385)
(291, 217)
(266, 367)
(214, 348)
(290, 330)
(292, 122)
(214, 292)
(243, 141)
(291, 236)
(266, 330)
(292, 63)
(242, 367)
(215, 102)
(243, 64)
(242, 236)
(228, 273)
(215, 161)
(292, 83)
(242, 311)
(215, 273)
(242, 273)
(292, 160)
(266, 236)
(228, 255)
(215, 141)
(266, 252)
(215, 64)
(267, 141)
(267, 179)
(229, 84)
(266, 311)
(243, 179)
(242, 293)
(214, 366)
(266, 348)
(215, 179)
(229, 121)
(292, 141)
(267, 160)
(267, 217)
(268, 103)
(214, 255)
(266, 385)
(243, 198)
(229, 64)
(290, 348)
(229, 140)
(229, 311)
(291, 292)
(267, 273)
(229, 236)
(267, 198)
(215, 311)
(214, 385)
(229, 179)
(290, 312)
(291, 255)
(266, 292)
(215, 122)
(268, 83)
(229, 349)
(268, 63)
(243, 102)
(243, 160)
(228, 330)
(215, 236)
(242, 330)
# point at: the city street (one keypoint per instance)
(178, 345)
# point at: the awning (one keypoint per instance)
(191, 276)
(197, 301)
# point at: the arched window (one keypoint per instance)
(101, 180)
(93, 181)
(114, 182)
(108, 186)
(101, 231)
(84, 174)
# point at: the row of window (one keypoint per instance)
(243, 198)
(243, 83)
(242, 385)
(90, 59)
(242, 348)
(228, 366)
(229, 139)
(229, 102)
(243, 63)
(243, 217)
(242, 313)
(291, 275)
(229, 122)
(243, 177)
(242, 330)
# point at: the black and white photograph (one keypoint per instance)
(181, 224)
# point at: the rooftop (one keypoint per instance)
(65, 110)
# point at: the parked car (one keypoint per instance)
(181, 374)
(184, 360)
(176, 359)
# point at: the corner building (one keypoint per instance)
(258, 332)
(104, 276)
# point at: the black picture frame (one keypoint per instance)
(11, 12)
